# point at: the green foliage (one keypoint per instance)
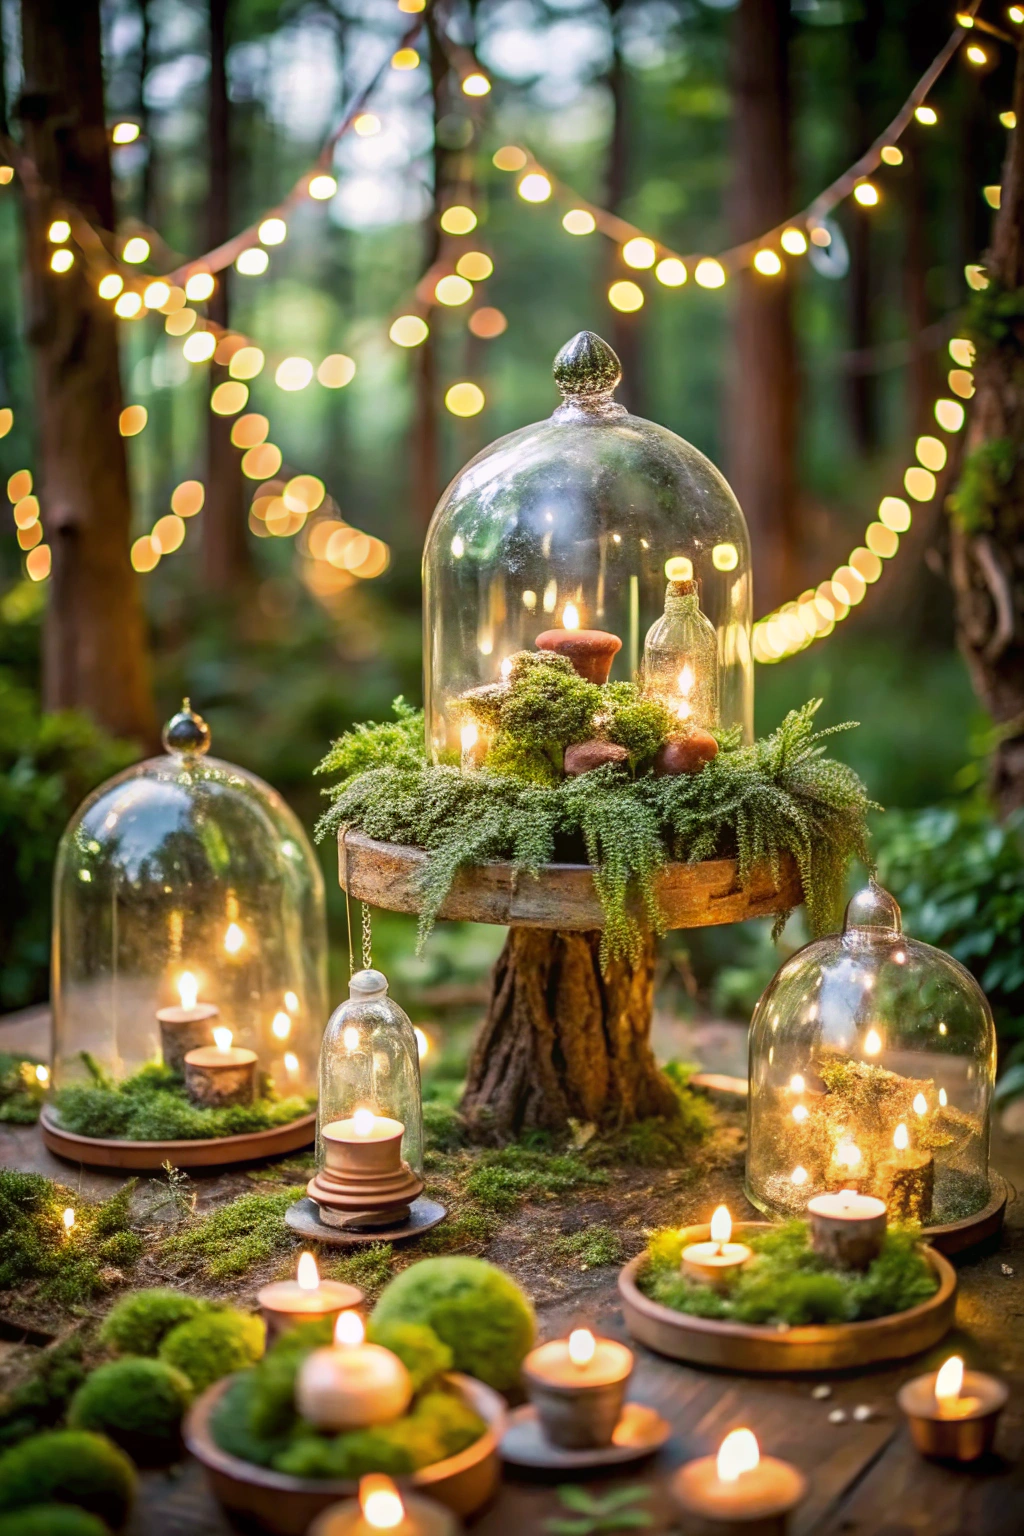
(661, 1141)
(398, 742)
(36, 1246)
(517, 760)
(594, 1512)
(153, 1106)
(21, 1092)
(368, 1267)
(68, 1466)
(631, 721)
(138, 1323)
(48, 764)
(592, 1247)
(986, 473)
(995, 317)
(53, 1520)
(501, 1179)
(42, 1400)
(780, 795)
(230, 1240)
(548, 707)
(786, 1283)
(418, 1347)
(443, 1127)
(138, 1404)
(213, 1345)
(472, 1306)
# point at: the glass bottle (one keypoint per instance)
(681, 658)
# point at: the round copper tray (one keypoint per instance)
(217, 1152)
(820, 1347)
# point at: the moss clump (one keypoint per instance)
(478, 1311)
(138, 1323)
(417, 1346)
(631, 721)
(592, 1247)
(439, 1425)
(53, 1520)
(42, 1400)
(138, 1404)
(68, 1466)
(35, 1246)
(662, 1141)
(21, 1092)
(548, 707)
(213, 1345)
(369, 1268)
(786, 1284)
(518, 760)
(503, 1179)
(231, 1240)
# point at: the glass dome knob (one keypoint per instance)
(586, 371)
(873, 913)
(367, 984)
(186, 732)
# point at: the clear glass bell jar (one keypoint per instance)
(186, 887)
(580, 522)
(872, 1063)
(370, 1066)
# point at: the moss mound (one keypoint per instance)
(138, 1404)
(36, 1246)
(52, 1520)
(68, 1466)
(139, 1322)
(213, 1345)
(473, 1307)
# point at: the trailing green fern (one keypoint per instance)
(756, 804)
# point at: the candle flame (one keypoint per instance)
(873, 1043)
(570, 616)
(920, 1104)
(349, 1330)
(721, 1225)
(307, 1274)
(188, 989)
(942, 1097)
(687, 678)
(800, 1112)
(222, 1039)
(69, 1219)
(281, 1026)
(291, 1002)
(901, 1138)
(380, 1502)
(949, 1380)
(422, 1041)
(291, 1061)
(738, 1452)
(233, 939)
(362, 1122)
(796, 1083)
(506, 667)
(469, 735)
(848, 1154)
(350, 1037)
(581, 1346)
(799, 1175)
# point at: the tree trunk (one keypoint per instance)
(627, 329)
(866, 35)
(563, 1040)
(762, 429)
(227, 558)
(987, 544)
(95, 646)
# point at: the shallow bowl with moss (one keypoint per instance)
(263, 1499)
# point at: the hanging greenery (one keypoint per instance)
(755, 803)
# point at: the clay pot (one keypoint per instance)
(591, 651)
(586, 755)
(686, 754)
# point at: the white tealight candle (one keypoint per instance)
(220, 1074)
(718, 1262)
(847, 1229)
(380, 1507)
(286, 1303)
(352, 1385)
(187, 1027)
(739, 1492)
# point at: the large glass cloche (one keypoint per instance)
(594, 521)
(872, 1063)
(187, 898)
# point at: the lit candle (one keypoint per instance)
(848, 1169)
(906, 1179)
(364, 1181)
(352, 1384)
(380, 1507)
(591, 651)
(718, 1262)
(739, 1492)
(577, 1386)
(187, 1027)
(953, 1413)
(286, 1303)
(847, 1229)
(220, 1074)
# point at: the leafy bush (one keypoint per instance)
(139, 1322)
(68, 1466)
(137, 1403)
(42, 1400)
(213, 1345)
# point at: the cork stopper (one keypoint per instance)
(681, 588)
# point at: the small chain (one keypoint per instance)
(367, 939)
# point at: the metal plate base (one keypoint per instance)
(640, 1432)
(304, 1218)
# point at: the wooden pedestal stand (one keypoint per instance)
(562, 1039)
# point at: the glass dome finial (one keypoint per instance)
(587, 372)
(186, 732)
(873, 913)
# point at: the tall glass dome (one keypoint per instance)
(578, 522)
(872, 1063)
(186, 887)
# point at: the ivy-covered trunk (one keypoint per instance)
(564, 1040)
(987, 506)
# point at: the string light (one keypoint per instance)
(62, 260)
(464, 399)
(58, 232)
(366, 125)
(6, 420)
(579, 222)
(155, 295)
(977, 56)
(767, 262)
(229, 398)
(509, 158)
(293, 374)
(458, 220)
(626, 297)
(1009, 119)
(475, 265)
(246, 363)
(405, 58)
(132, 420)
(409, 331)
(866, 193)
(124, 133)
(892, 154)
(453, 290)
(639, 253)
(136, 250)
(926, 115)
(476, 85)
(273, 231)
(336, 371)
(128, 306)
(110, 286)
(992, 196)
(188, 497)
(253, 262)
(199, 347)
(709, 273)
(6, 175)
(534, 187)
(793, 241)
(671, 271)
(322, 187)
(168, 533)
(487, 323)
(200, 286)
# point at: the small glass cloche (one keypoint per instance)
(370, 1067)
(187, 896)
(872, 1063)
(563, 536)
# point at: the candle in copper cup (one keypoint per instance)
(739, 1492)
(847, 1229)
(220, 1074)
(577, 1386)
(365, 1181)
(717, 1262)
(187, 1027)
(287, 1303)
(953, 1413)
(380, 1507)
(591, 651)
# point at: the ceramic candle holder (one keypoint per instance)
(847, 1229)
(591, 651)
(578, 1405)
(285, 1304)
(364, 1182)
(183, 1030)
(422, 1517)
(215, 1078)
(961, 1430)
(757, 1503)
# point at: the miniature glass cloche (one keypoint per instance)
(187, 899)
(872, 1063)
(563, 536)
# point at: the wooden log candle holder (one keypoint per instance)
(365, 1181)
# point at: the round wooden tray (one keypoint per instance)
(285, 1506)
(561, 896)
(217, 1152)
(749, 1348)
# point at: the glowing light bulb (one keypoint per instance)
(901, 1138)
(349, 1330)
(363, 1121)
(291, 1063)
(222, 1039)
(943, 1100)
(949, 1380)
(188, 989)
(866, 193)
(581, 1346)
(380, 1502)
(233, 939)
(709, 273)
(43, 1075)
(281, 1026)
(800, 1113)
(872, 1043)
(422, 1041)
(291, 1002)
(570, 616)
(307, 1273)
(721, 1225)
(738, 1453)
(920, 1104)
(68, 1219)
(796, 1083)
(799, 1175)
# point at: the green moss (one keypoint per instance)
(985, 476)
(42, 1400)
(548, 707)
(229, 1241)
(516, 759)
(53, 1520)
(443, 1127)
(631, 721)
(465, 1229)
(137, 1403)
(138, 1323)
(153, 1106)
(663, 1141)
(503, 1179)
(68, 1466)
(21, 1092)
(369, 1267)
(417, 1346)
(213, 1345)
(478, 1311)
(439, 1425)
(593, 1247)
(35, 1246)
